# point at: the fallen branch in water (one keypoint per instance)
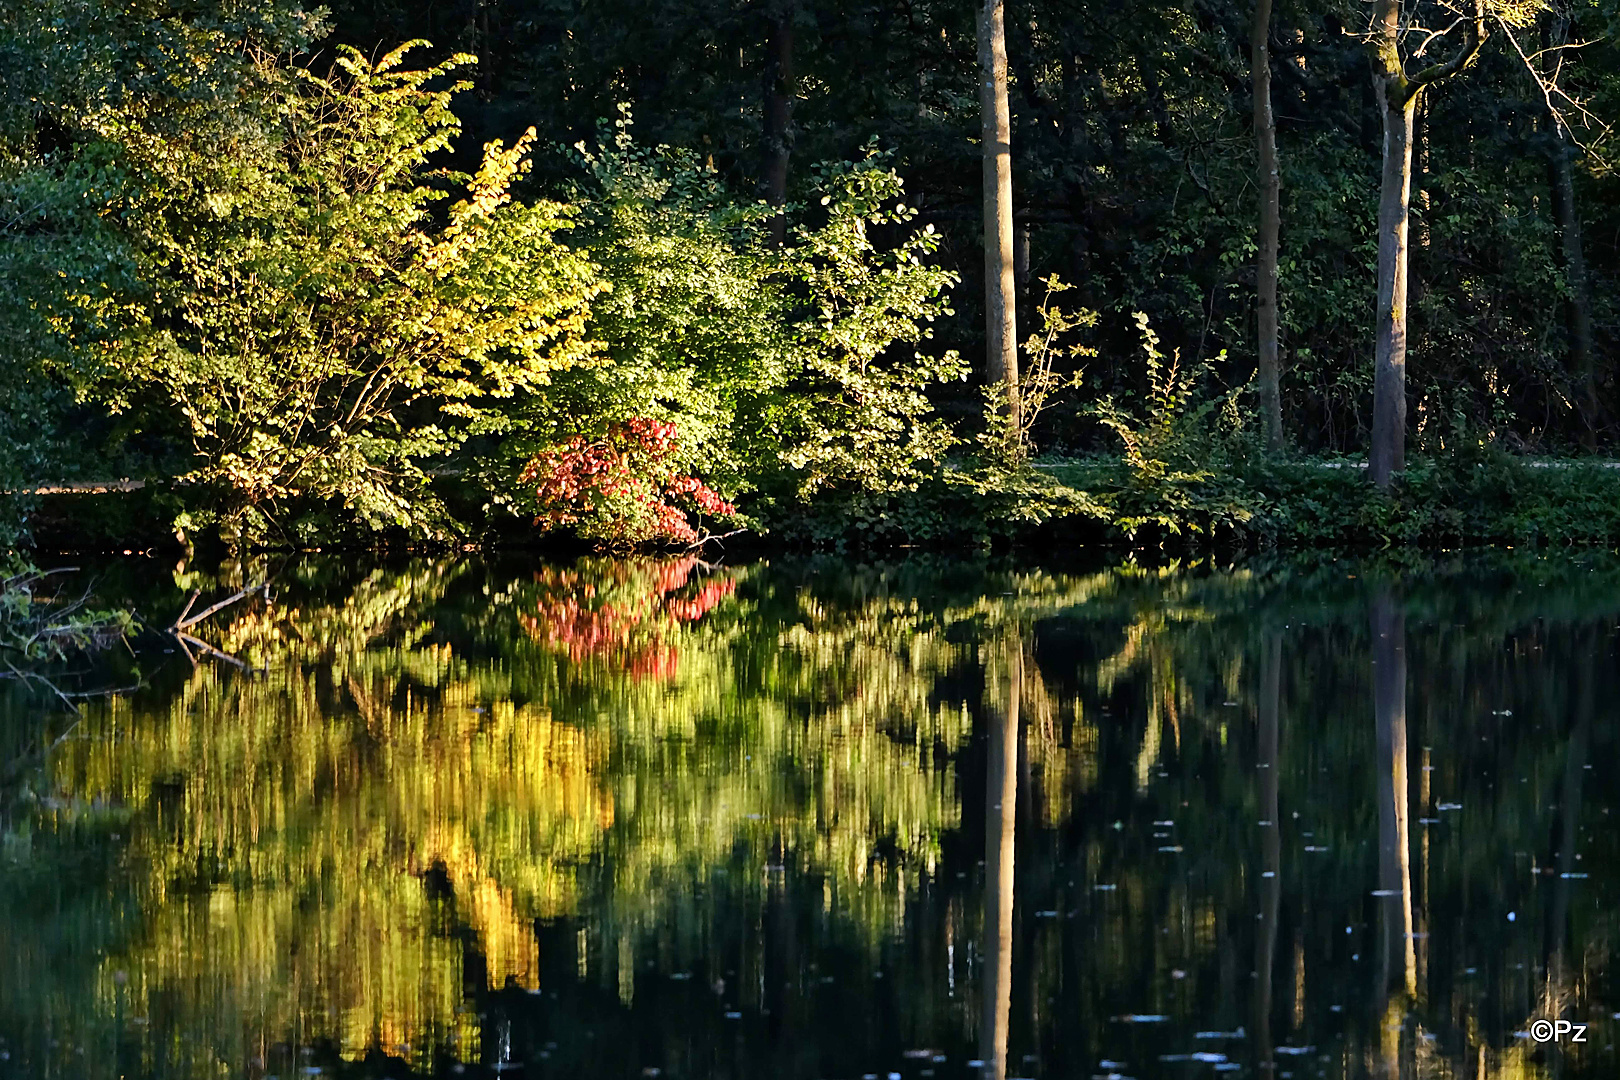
(183, 623)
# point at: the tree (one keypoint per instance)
(779, 90)
(1265, 134)
(1000, 276)
(1397, 94)
(314, 329)
(1565, 151)
(786, 371)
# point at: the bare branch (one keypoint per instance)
(184, 623)
(1473, 41)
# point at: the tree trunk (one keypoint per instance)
(1397, 97)
(1000, 818)
(1000, 286)
(778, 113)
(1265, 133)
(1580, 296)
(1388, 455)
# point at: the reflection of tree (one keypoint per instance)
(622, 611)
(1394, 788)
(356, 846)
(348, 844)
(1001, 806)
(1270, 709)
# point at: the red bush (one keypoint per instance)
(623, 486)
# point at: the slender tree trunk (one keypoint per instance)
(1000, 285)
(1388, 455)
(1265, 134)
(1000, 818)
(1580, 296)
(778, 113)
(1397, 97)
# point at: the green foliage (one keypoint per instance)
(40, 624)
(317, 328)
(1004, 481)
(1179, 448)
(788, 373)
(694, 330)
(857, 413)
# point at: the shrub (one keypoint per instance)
(622, 489)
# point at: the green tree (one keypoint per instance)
(787, 372)
(314, 325)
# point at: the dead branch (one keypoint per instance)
(184, 623)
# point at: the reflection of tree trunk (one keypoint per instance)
(1270, 840)
(1001, 797)
(1569, 813)
(1394, 833)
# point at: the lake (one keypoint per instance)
(823, 819)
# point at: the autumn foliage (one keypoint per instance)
(624, 488)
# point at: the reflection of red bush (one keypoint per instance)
(627, 631)
(627, 480)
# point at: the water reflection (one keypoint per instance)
(621, 816)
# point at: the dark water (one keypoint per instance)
(813, 819)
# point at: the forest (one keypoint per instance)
(657, 272)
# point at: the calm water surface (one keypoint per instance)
(811, 819)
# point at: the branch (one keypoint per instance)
(184, 623)
(1473, 41)
(1550, 89)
